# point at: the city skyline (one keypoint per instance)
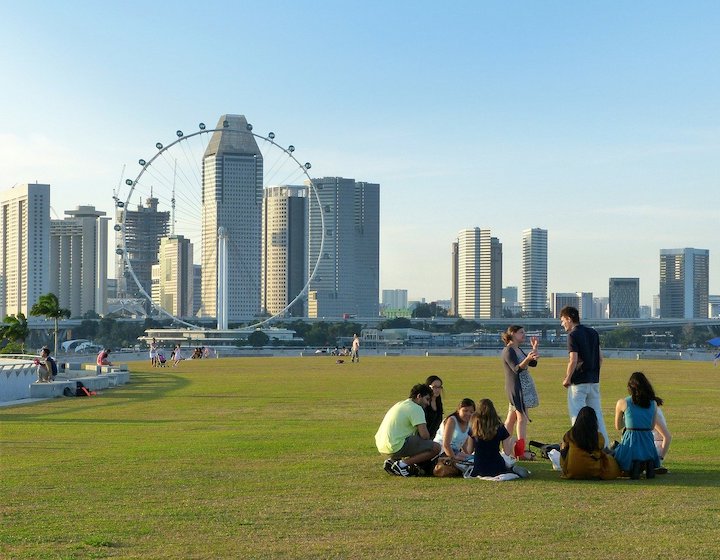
(597, 123)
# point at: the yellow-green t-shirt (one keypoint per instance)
(399, 423)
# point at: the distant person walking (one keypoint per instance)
(582, 376)
(154, 353)
(355, 352)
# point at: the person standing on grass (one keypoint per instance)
(153, 353)
(515, 362)
(355, 352)
(403, 436)
(582, 375)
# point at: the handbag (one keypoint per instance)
(529, 392)
(446, 466)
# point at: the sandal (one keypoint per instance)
(527, 456)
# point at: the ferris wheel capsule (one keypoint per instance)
(201, 126)
(120, 204)
(249, 127)
(142, 162)
(271, 135)
(119, 251)
(117, 227)
(159, 146)
(291, 148)
(226, 124)
(128, 182)
(307, 165)
(179, 133)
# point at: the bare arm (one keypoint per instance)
(660, 426)
(572, 364)
(423, 431)
(448, 431)
(620, 414)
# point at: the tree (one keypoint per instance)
(16, 329)
(48, 306)
(258, 339)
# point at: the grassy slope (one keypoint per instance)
(274, 457)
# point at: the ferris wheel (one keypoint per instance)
(168, 199)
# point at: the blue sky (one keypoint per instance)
(599, 121)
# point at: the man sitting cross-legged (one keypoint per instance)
(403, 436)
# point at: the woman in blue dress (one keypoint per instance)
(636, 416)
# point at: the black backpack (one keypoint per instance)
(53, 366)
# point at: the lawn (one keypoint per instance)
(275, 458)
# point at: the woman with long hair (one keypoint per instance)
(581, 450)
(487, 434)
(515, 363)
(636, 416)
(434, 412)
(455, 429)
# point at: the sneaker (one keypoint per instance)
(661, 470)
(398, 470)
(387, 465)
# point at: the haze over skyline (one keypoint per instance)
(598, 122)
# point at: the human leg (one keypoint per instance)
(511, 419)
(593, 401)
(576, 399)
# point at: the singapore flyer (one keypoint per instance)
(189, 226)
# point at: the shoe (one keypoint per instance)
(400, 471)
(661, 470)
(649, 469)
(635, 469)
(387, 465)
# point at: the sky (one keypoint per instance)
(598, 121)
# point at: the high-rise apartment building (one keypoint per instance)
(395, 299)
(232, 194)
(533, 289)
(624, 298)
(79, 260)
(173, 285)
(684, 283)
(144, 228)
(283, 248)
(347, 281)
(479, 274)
(454, 280)
(24, 247)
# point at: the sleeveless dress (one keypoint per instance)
(638, 443)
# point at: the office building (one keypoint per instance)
(79, 260)
(453, 312)
(684, 283)
(479, 274)
(283, 248)
(347, 281)
(624, 298)
(144, 228)
(533, 294)
(713, 306)
(656, 306)
(582, 301)
(24, 247)
(197, 289)
(232, 194)
(173, 277)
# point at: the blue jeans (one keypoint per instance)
(586, 394)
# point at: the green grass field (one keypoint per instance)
(275, 458)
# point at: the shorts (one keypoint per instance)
(413, 445)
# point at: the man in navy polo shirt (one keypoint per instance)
(582, 377)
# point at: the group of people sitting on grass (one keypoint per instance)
(473, 441)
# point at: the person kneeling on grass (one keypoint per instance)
(403, 435)
(581, 450)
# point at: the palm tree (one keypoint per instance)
(48, 306)
(15, 329)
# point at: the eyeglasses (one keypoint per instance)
(436, 387)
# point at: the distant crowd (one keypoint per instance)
(417, 438)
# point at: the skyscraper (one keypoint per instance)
(232, 194)
(395, 299)
(283, 249)
(684, 283)
(454, 280)
(79, 260)
(144, 227)
(533, 289)
(347, 281)
(174, 290)
(624, 298)
(479, 274)
(24, 247)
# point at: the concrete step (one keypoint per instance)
(49, 390)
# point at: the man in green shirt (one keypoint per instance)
(403, 436)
